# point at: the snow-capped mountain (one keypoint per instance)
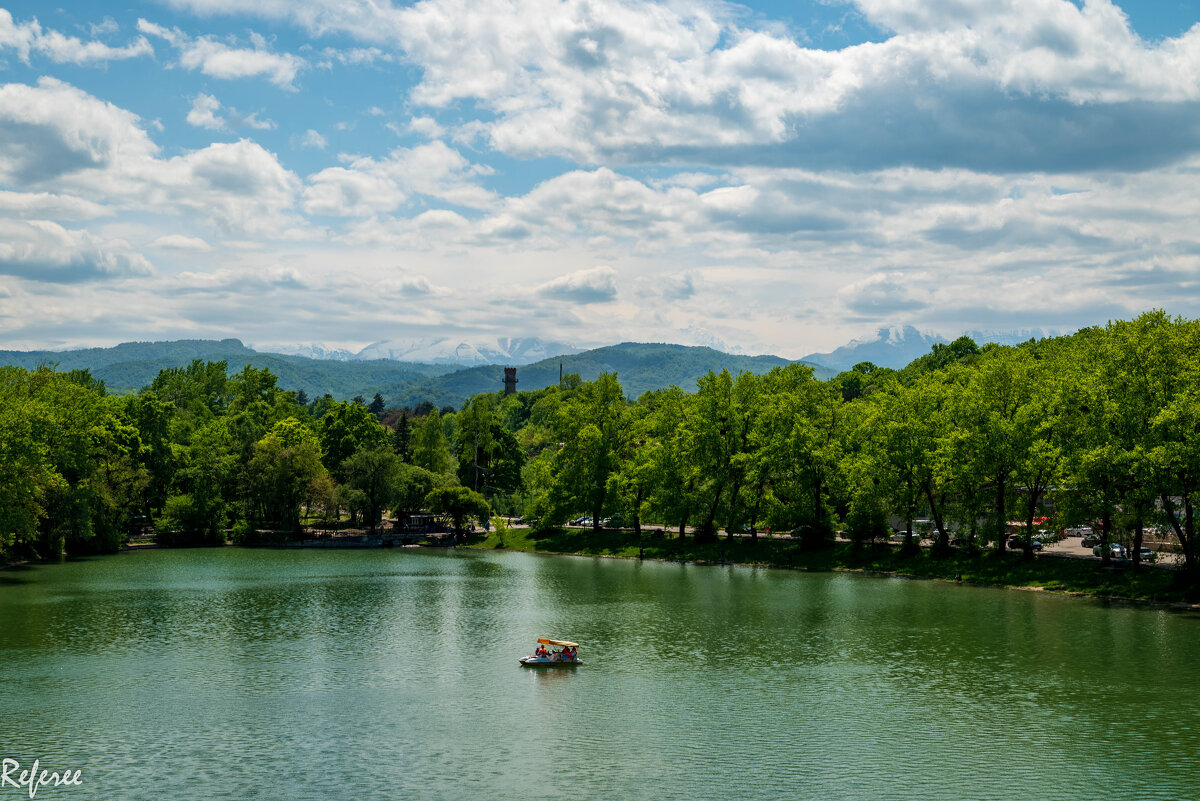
(442, 350)
(896, 346)
(888, 347)
(313, 351)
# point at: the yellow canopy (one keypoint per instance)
(562, 643)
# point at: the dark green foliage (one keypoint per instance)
(188, 521)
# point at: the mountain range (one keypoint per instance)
(453, 370)
(640, 367)
(445, 350)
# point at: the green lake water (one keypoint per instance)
(270, 674)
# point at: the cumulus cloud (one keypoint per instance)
(369, 186)
(594, 285)
(54, 129)
(41, 250)
(56, 138)
(1004, 86)
(427, 127)
(29, 37)
(219, 60)
(205, 109)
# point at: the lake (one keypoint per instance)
(392, 674)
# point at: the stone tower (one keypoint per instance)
(510, 380)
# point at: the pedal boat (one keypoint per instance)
(554, 659)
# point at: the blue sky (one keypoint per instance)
(773, 177)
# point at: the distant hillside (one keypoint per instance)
(640, 368)
(132, 365)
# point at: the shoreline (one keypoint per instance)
(1075, 578)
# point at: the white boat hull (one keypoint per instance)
(543, 661)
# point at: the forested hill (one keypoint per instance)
(640, 367)
(133, 365)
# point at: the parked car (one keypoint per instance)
(1090, 541)
(1116, 550)
(1018, 542)
(1146, 555)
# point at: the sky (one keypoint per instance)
(774, 177)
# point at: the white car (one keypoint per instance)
(1115, 549)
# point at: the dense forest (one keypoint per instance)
(1099, 428)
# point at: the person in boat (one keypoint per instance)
(541, 651)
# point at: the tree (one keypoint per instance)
(591, 426)
(413, 484)
(402, 439)
(346, 429)
(284, 464)
(375, 472)
(458, 503)
(377, 406)
(431, 449)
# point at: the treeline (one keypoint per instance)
(200, 455)
(1099, 428)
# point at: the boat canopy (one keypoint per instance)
(562, 643)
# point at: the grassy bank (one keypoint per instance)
(1079, 576)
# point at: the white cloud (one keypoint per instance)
(355, 56)
(313, 139)
(181, 242)
(54, 129)
(219, 60)
(368, 186)
(41, 250)
(203, 114)
(49, 204)
(54, 137)
(594, 285)
(1004, 86)
(29, 37)
(105, 26)
(427, 127)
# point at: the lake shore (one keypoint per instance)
(1010, 570)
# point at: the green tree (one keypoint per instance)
(285, 461)
(458, 504)
(431, 449)
(345, 429)
(591, 427)
(375, 472)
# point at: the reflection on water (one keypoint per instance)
(230, 674)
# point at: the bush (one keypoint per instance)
(242, 533)
(866, 521)
(187, 521)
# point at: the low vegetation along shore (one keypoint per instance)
(1070, 576)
